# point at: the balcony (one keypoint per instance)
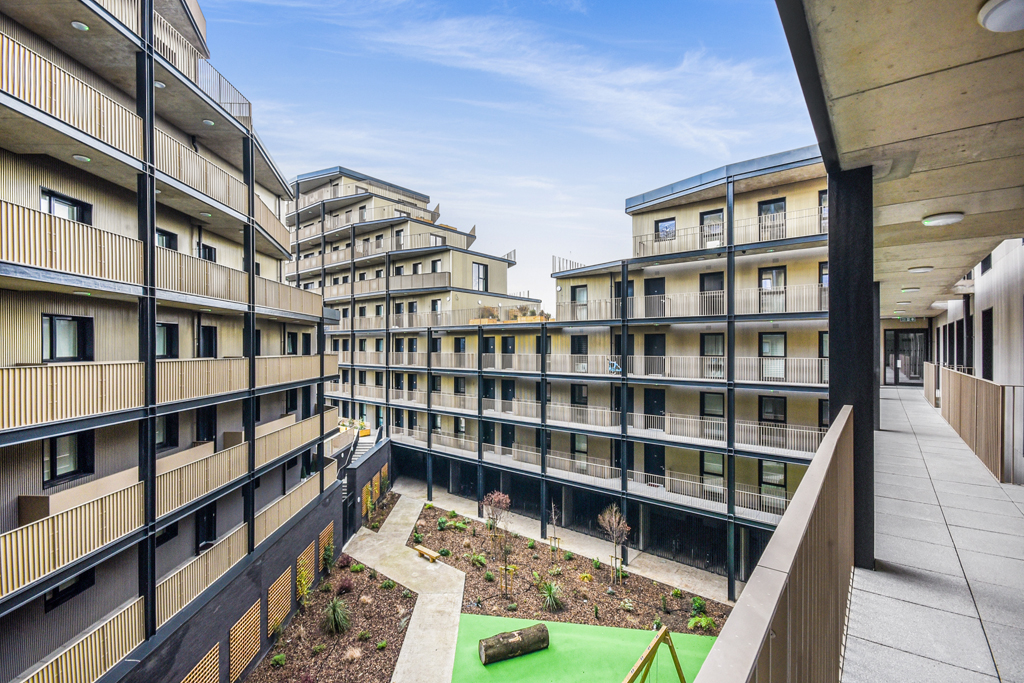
(519, 456)
(780, 226)
(273, 294)
(677, 367)
(708, 431)
(335, 292)
(583, 469)
(790, 299)
(409, 358)
(368, 357)
(271, 223)
(581, 364)
(271, 370)
(694, 238)
(461, 402)
(708, 493)
(677, 305)
(779, 439)
(185, 379)
(276, 443)
(368, 322)
(601, 419)
(274, 516)
(41, 240)
(516, 362)
(803, 371)
(39, 394)
(453, 361)
(516, 407)
(353, 189)
(409, 397)
(95, 652)
(455, 444)
(331, 258)
(370, 286)
(179, 272)
(191, 168)
(344, 439)
(28, 76)
(421, 281)
(409, 435)
(371, 391)
(46, 545)
(186, 583)
(187, 476)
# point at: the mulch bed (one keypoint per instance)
(578, 596)
(384, 614)
(382, 508)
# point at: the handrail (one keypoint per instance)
(192, 168)
(184, 585)
(277, 443)
(191, 481)
(789, 622)
(977, 410)
(180, 272)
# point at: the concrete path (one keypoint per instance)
(428, 653)
(946, 599)
(670, 573)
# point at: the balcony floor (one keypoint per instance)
(946, 599)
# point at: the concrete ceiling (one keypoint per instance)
(935, 103)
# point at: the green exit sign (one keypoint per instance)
(908, 320)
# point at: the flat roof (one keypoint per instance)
(342, 171)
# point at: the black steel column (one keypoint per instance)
(387, 343)
(876, 340)
(623, 393)
(968, 335)
(543, 430)
(430, 456)
(851, 285)
(249, 338)
(146, 196)
(730, 382)
(479, 421)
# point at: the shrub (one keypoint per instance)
(344, 560)
(610, 591)
(356, 568)
(452, 514)
(472, 530)
(327, 555)
(428, 506)
(676, 593)
(623, 575)
(365, 599)
(597, 563)
(382, 644)
(278, 660)
(697, 606)
(552, 594)
(586, 577)
(657, 623)
(552, 548)
(664, 604)
(555, 571)
(344, 586)
(627, 605)
(325, 586)
(512, 607)
(702, 622)
(596, 613)
(536, 578)
(277, 630)
(375, 526)
(373, 574)
(488, 575)
(336, 617)
(417, 537)
(478, 560)
(568, 556)
(302, 583)
(317, 649)
(352, 654)
(442, 524)
(536, 556)
(531, 544)
(461, 526)
(387, 585)
(364, 636)
(444, 552)
(407, 593)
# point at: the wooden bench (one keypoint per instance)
(427, 553)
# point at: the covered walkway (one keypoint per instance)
(946, 599)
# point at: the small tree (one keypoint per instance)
(496, 509)
(554, 520)
(614, 526)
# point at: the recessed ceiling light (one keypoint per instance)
(208, 122)
(921, 269)
(79, 25)
(899, 311)
(908, 290)
(159, 85)
(205, 214)
(82, 293)
(81, 157)
(938, 219)
(205, 310)
(902, 303)
(157, 191)
(1002, 16)
(771, 251)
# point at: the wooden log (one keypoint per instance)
(513, 644)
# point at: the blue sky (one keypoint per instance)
(531, 120)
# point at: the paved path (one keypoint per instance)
(670, 573)
(946, 599)
(428, 653)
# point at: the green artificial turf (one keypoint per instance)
(593, 654)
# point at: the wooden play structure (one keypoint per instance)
(640, 670)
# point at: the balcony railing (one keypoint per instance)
(125, 11)
(453, 361)
(677, 305)
(371, 391)
(695, 238)
(38, 394)
(983, 413)
(710, 493)
(517, 407)
(413, 435)
(186, 58)
(32, 78)
(517, 362)
(368, 357)
(271, 223)
(273, 517)
(412, 396)
(421, 281)
(583, 415)
(776, 438)
(272, 370)
(517, 455)
(677, 367)
(790, 299)
(368, 322)
(342, 291)
(691, 428)
(182, 485)
(185, 584)
(95, 652)
(273, 294)
(344, 439)
(184, 379)
(309, 263)
(409, 358)
(180, 272)
(789, 623)
(277, 443)
(583, 468)
(35, 550)
(440, 399)
(482, 315)
(583, 364)
(370, 286)
(458, 444)
(188, 166)
(783, 370)
(41, 240)
(351, 189)
(780, 226)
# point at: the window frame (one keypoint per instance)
(170, 431)
(171, 343)
(481, 277)
(171, 237)
(83, 208)
(84, 333)
(57, 596)
(85, 458)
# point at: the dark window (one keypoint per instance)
(335, 344)
(578, 444)
(413, 344)
(256, 267)
(435, 383)
(712, 404)
(459, 344)
(292, 344)
(579, 394)
(206, 527)
(167, 240)
(207, 341)
(290, 465)
(435, 305)
(378, 310)
(378, 345)
(578, 344)
(166, 340)
(67, 339)
(712, 344)
(378, 379)
(772, 409)
(460, 385)
(823, 344)
(480, 277)
(257, 409)
(412, 382)
(772, 477)
(307, 343)
(986, 264)
(823, 414)
(435, 266)
(257, 343)
(399, 308)
(291, 400)
(167, 431)
(435, 345)
(547, 394)
(712, 228)
(399, 270)
(63, 206)
(399, 344)
(69, 589)
(362, 377)
(206, 423)
(166, 534)
(68, 457)
(207, 253)
(712, 465)
(413, 306)
(665, 229)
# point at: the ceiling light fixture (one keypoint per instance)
(157, 191)
(899, 311)
(939, 219)
(159, 85)
(205, 214)
(81, 157)
(82, 293)
(921, 269)
(206, 310)
(79, 25)
(208, 122)
(1002, 16)
(902, 303)
(909, 290)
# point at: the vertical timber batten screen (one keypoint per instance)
(789, 623)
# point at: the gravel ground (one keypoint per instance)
(380, 513)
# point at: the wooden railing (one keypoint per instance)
(789, 623)
(273, 294)
(193, 169)
(271, 518)
(180, 272)
(180, 380)
(33, 238)
(976, 409)
(190, 482)
(185, 584)
(95, 652)
(272, 224)
(125, 11)
(282, 369)
(38, 394)
(30, 77)
(276, 444)
(931, 384)
(30, 552)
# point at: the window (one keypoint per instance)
(712, 228)
(378, 379)
(362, 311)
(399, 344)
(166, 534)
(291, 400)
(771, 219)
(378, 310)
(412, 307)
(712, 465)
(399, 270)
(480, 277)
(435, 345)
(772, 409)
(69, 589)
(207, 253)
(772, 478)
(257, 409)
(362, 276)
(167, 431)
(459, 344)
(712, 404)
(399, 308)
(665, 229)
(712, 349)
(67, 338)
(413, 344)
(63, 206)
(67, 457)
(823, 344)
(460, 425)
(166, 340)
(578, 344)
(824, 418)
(772, 350)
(379, 273)
(345, 344)
(986, 264)
(335, 345)
(578, 444)
(417, 268)
(362, 212)
(412, 383)
(292, 344)
(378, 345)
(435, 383)
(578, 395)
(547, 392)
(206, 527)
(256, 267)
(167, 240)
(460, 385)
(435, 266)
(362, 377)
(206, 424)
(435, 305)
(823, 208)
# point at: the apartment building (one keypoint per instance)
(162, 422)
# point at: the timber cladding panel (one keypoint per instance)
(244, 640)
(208, 668)
(306, 561)
(326, 539)
(279, 600)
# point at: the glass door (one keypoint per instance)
(773, 289)
(905, 354)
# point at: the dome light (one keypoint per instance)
(909, 290)
(159, 85)
(208, 122)
(79, 25)
(921, 269)
(940, 219)
(1002, 16)
(902, 303)
(81, 157)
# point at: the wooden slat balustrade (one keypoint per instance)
(276, 444)
(182, 379)
(272, 224)
(184, 273)
(974, 407)
(190, 482)
(125, 11)
(273, 294)
(271, 518)
(190, 167)
(272, 370)
(184, 585)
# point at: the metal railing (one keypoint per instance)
(466, 445)
(779, 226)
(273, 516)
(687, 427)
(677, 367)
(710, 236)
(584, 364)
(409, 358)
(415, 435)
(779, 437)
(789, 623)
(518, 407)
(179, 272)
(789, 299)
(413, 396)
(370, 247)
(274, 294)
(367, 322)
(265, 216)
(453, 361)
(783, 370)
(335, 191)
(192, 481)
(125, 11)
(275, 444)
(583, 468)
(372, 391)
(184, 585)
(439, 399)
(519, 362)
(368, 357)
(421, 281)
(583, 415)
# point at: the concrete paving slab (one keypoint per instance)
(996, 605)
(1001, 571)
(906, 508)
(868, 662)
(923, 483)
(985, 521)
(990, 542)
(906, 493)
(994, 506)
(919, 586)
(1006, 642)
(916, 529)
(914, 553)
